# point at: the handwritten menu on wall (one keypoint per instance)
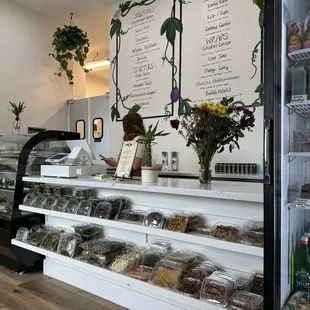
(218, 39)
(141, 74)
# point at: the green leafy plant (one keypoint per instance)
(17, 109)
(69, 43)
(148, 140)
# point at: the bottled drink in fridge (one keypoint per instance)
(302, 271)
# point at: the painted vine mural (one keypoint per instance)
(170, 28)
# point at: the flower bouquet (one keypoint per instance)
(209, 127)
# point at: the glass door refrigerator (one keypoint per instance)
(287, 153)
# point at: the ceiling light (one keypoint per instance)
(99, 65)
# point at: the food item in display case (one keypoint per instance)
(132, 216)
(182, 257)
(88, 231)
(67, 191)
(71, 205)
(103, 259)
(166, 274)
(243, 278)
(103, 210)
(194, 220)
(120, 264)
(253, 233)
(84, 208)
(117, 206)
(300, 301)
(203, 230)
(295, 32)
(305, 191)
(22, 234)
(200, 273)
(306, 34)
(102, 246)
(233, 280)
(69, 244)
(48, 203)
(55, 191)
(51, 240)
(243, 300)
(177, 222)
(154, 219)
(151, 258)
(216, 290)
(226, 231)
(141, 273)
(29, 199)
(257, 285)
(160, 246)
(60, 204)
(47, 190)
(35, 238)
(82, 193)
(38, 201)
(88, 260)
(190, 287)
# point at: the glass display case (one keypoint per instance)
(23, 155)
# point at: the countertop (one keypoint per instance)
(252, 192)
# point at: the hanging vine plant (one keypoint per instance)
(69, 43)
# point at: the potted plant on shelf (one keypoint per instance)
(209, 127)
(17, 110)
(150, 169)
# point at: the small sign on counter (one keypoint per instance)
(126, 159)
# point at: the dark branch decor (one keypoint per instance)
(69, 43)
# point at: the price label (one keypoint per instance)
(303, 203)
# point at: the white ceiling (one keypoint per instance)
(93, 16)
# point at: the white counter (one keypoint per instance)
(218, 189)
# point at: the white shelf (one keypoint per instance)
(122, 280)
(190, 238)
(302, 55)
(303, 109)
(293, 155)
(250, 192)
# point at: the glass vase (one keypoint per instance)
(205, 173)
(16, 127)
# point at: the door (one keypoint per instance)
(79, 121)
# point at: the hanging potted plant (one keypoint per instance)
(69, 43)
(150, 170)
(17, 110)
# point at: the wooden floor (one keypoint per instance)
(38, 292)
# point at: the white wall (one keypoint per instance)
(96, 86)
(27, 72)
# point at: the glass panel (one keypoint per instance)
(97, 128)
(80, 128)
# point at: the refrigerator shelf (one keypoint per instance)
(302, 55)
(292, 155)
(302, 109)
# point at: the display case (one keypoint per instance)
(20, 156)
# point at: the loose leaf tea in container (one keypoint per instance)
(154, 219)
(190, 287)
(71, 205)
(84, 208)
(103, 246)
(48, 203)
(60, 204)
(257, 285)
(88, 231)
(51, 240)
(225, 231)
(141, 273)
(35, 238)
(69, 244)
(246, 301)
(38, 201)
(29, 199)
(300, 301)
(151, 258)
(22, 234)
(103, 210)
(177, 222)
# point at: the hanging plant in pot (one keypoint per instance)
(69, 43)
(150, 170)
(209, 127)
(17, 110)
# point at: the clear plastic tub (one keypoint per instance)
(189, 287)
(151, 259)
(253, 233)
(257, 283)
(67, 191)
(208, 265)
(194, 220)
(29, 199)
(216, 290)
(22, 234)
(35, 238)
(51, 240)
(141, 273)
(183, 257)
(227, 276)
(117, 204)
(300, 301)
(121, 264)
(176, 222)
(226, 231)
(82, 193)
(88, 231)
(166, 274)
(243, 278)
(203, 230)
(132, 216)
(38, 201)
(84, 208)
(55, 191)
(103, 259)
(103, 210)
(246, 301)
(103, 246)
(69, 244)
(200, 273)
(48, 203)
(71, 205)
(60, 204)
(160, 245)
(154, 219)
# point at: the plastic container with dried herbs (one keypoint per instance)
(102, 246)
(253, 233)
(60, 204)
(69, 244)
(88, 231)
(103, 259)
(203, 230)
(200, 273)
(48, 203)
(35, 238)
(243, 300)
(166, 274)
(257, 284)
(141, 273)
(132, 216)
(226, 231)
(22, 234)
(103, 210)
(151, 259)
(82, 193)
(189, 287)
(154, 219)
(55, 191)
(300, 301)
(117, 204)
(182, 257)
(29, 199)
(51, 240)
(160, 246)
(84, 208)
(176, 222)
(243, 278)
(233, 280)
(71, 205)
(38, 201)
